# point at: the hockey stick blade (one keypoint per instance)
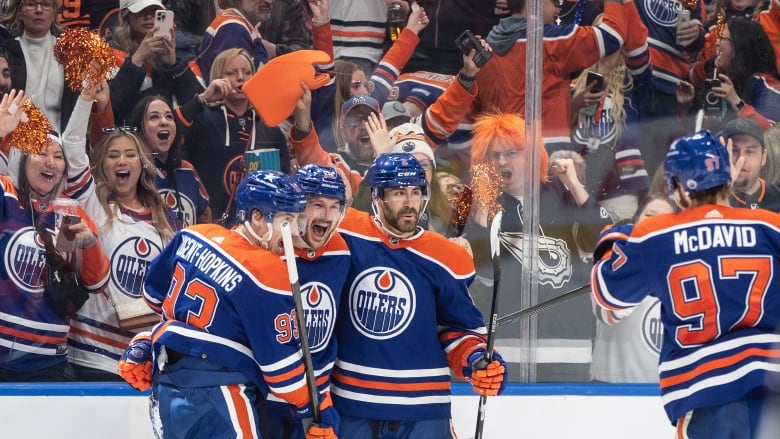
(292, 271)
(543, 306)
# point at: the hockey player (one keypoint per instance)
(323, 265)
(227, 335)
(406, 316)
(711, 266)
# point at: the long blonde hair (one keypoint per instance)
(146, 190)
(128, 41)
(343, 71)
(616, 82)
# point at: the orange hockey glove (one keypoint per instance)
(135, 365)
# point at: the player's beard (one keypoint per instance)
(394, 221)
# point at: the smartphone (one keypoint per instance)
(712, 103)
(683, 17)
(63, 243)
(163, 20)
(598, 78)
(467, 41)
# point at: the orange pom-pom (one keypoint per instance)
(486, 185)
(77, 48)
(32, 135)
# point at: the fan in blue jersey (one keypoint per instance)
(713, 271)
(406, 319)
(227, 336)
(323, 264)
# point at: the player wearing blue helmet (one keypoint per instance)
(326, 202)
(399, 193)
(322, 258)
(712, 268)
(265, 200)
(406, 319)
(227, 337)
(695, 165)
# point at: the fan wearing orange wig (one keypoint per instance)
(569, 224)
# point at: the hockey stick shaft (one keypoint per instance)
(495, 256)
(300, 317)
(547, 304)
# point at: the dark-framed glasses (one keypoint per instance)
(33, 5)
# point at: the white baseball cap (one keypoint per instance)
(136, 6)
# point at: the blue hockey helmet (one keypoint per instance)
(398, 169)
(321, 181)
(698, 162)
(269, 192)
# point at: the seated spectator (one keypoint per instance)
(25, 305)
(219, 125)
(31, 59)
(748, 188)
(177, 180)
(562, 352)
(146, 63)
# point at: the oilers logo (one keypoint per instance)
(663, 12)
(652, 328)
(187, 207)
(319, 307)
(382, 303)
(555, 264)
(234, 171)
(25, 260)
(129, 263)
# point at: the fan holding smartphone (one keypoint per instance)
(149, 60)
(163, 22)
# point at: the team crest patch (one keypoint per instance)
(187, 206)
(382, 303)
(129, 264)
(319, 308)
(25, 260)
(652, 328)
(662, 12)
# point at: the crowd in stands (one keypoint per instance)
(160, 145)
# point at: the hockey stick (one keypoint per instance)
(495, 253)
(539, 307)
(292, 271)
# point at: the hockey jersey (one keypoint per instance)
(323, 275)
(567, 49)
(32, 335)
(184, 193)
(229, 29)
(405, 317)
(96, 339)
(224, 299)
(712, 268)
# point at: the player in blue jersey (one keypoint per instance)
(227, 336)
(406, 318)
(712, 267)
(323, 264)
